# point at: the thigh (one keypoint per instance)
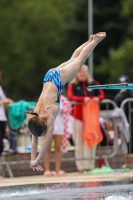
(68, 72)
(65, 63)
(3, 128)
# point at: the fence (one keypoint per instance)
(106, 108)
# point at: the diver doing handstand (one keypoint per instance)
(41, 121)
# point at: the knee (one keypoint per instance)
(80, 61)
(57, 148)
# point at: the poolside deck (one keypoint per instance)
(69, 177)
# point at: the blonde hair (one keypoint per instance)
(75, 79)
(37, 125)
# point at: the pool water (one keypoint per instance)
(65, 191)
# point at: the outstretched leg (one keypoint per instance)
(79, 49)
(76, 53)
(69, 71)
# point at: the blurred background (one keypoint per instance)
(38, 35)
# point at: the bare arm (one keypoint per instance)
(34, 147)
(46, 142)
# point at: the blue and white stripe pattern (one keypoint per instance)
(53, 75)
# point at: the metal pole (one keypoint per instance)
(90, 32)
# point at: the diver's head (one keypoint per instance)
(37, 124)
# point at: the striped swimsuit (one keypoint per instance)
(53, 75)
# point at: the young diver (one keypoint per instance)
(41, 122)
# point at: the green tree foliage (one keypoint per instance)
(120, 60)
(31, 41)
(106, 17)
(37, 35)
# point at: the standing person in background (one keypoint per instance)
(123, 93)
(77, 91)
(61, 134)
(4, 102)
(119, 98)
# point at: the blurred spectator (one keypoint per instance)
(61, 133)
(123, 93)
(107, 131)
(122, 126)
(4, 102)
(77, 91)
(13, 141)
(119, 98)
(12, 138)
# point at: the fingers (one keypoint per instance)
(38, 168)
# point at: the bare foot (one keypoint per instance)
(47, 173)
(61, 173)
(99, 36)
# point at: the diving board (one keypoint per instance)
(127, 86)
